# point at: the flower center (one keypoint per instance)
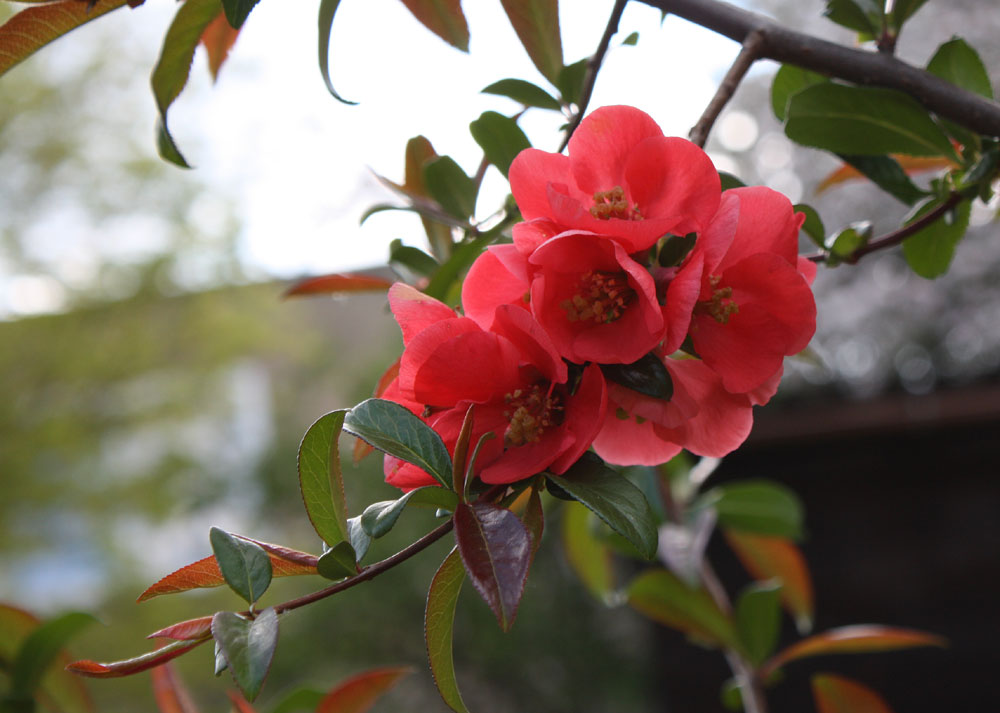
(612, 204)
(721, 306)
(529, 412)
(601, 297)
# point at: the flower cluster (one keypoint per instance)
(638, 311)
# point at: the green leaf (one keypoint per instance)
(813, 226)
(496, 550)
(849, 14)
(394, 430)
(790, 80)
(536, 23)
(957, 62)
(843, 245)
(632, 40)
(416, 260)
(863, 121)
(338, 562)
(444, 18)
(930, 251)
(379, 518)
(320, 479)
(647, 375)
(304, 699)
(174, 65)
(450, 186)
(588, 556)
(524, 92)
(327, 9)
(673, 251)
(665, 598)
(245, 565)
(40, 648)
(887, 174)
(903, 10)
(500, 138)
(463, 256)
(439, 623)
(359, 539)
(613, 498)
(248, 647)
(758, 619)
(728, 180)
(758, 506)
(237, 11)
(570, 81)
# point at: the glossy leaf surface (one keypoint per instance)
(394, 430)
(524, 92)
(789, 80)
(863, 121)
(320, 479)
(957, 62)
(665, 598)
(758, 619)
(127, 667)
(496, 550)
(500, 138)
(614, 499)
(836, 694)
(360, 692)
(439, 623)
(245, 565)
(185, 630)
(338, 562)
(930, 251)
(536, 23)
(444, 18)
(647, 375)
(248, 646)
(887, 173)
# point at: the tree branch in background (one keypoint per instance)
(593, 67)
(741, 65)
(854, 65)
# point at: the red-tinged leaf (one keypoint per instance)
(836, 694)
(496, 550)
(537, 25)
(533, 518)
(362, 448)
(439, 623)
(778, 558)
(34, 27)
(444, 18)
(217, 39)
(911, 165)
(170, 692)
(419, 151)
(241, 704)
(117, 669)
(206, 573)
(185, 630)
(460, 459)
(359, 693)
(858, 639)
(338, 284)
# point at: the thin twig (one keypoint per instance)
(371, 571)
(896, 236)
(854, 65)
(593, 67)
(750, 53)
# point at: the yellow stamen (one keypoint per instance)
(602, 297)
(612, 204)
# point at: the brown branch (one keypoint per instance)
(896, 236)
(371, 571)
(854, 65)
(749, 54)
(593, 67)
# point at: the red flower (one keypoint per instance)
(701, 417)
(754, 305)
(594, 301)
(543, 417)
(622, 178)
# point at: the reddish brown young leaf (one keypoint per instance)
(537, 25)
(240, 703)
(444, 18)
(858, 639)
(776, 557)
(185, 630)
(117, 669)
(170, 692)
(338, 283)
(205, 572)
(362, 448)
(359, 693)
(836, 694)
(496, 550)
(34, 27)
(217, 39)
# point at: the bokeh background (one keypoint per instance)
(153, 383)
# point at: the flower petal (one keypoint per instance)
(600, 147)
(415, 311)
(490, 283)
